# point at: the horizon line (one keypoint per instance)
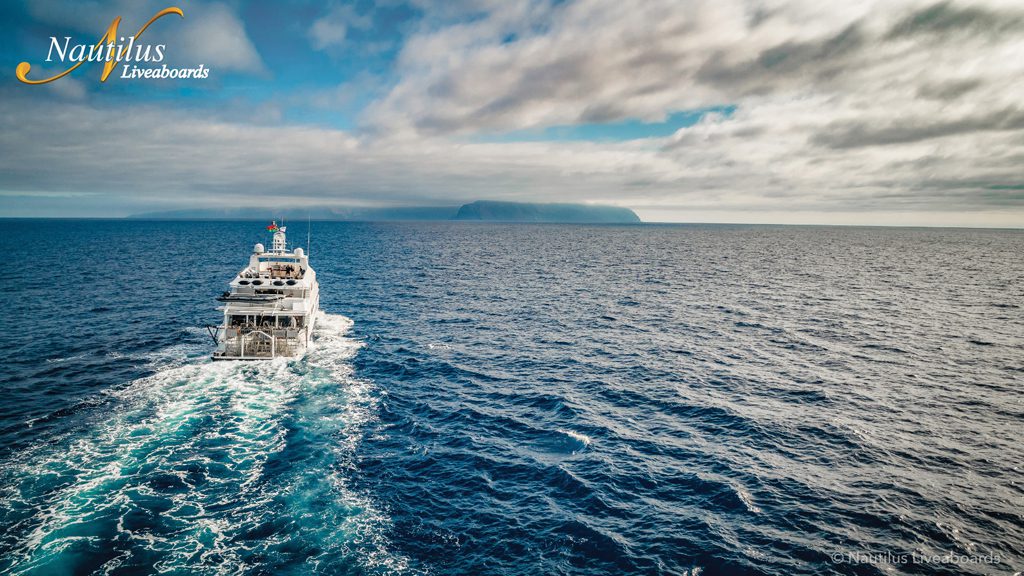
(414, 221)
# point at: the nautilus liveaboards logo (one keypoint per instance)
(135, 57)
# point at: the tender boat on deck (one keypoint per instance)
(271, 307)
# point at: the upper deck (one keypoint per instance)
(275, 281)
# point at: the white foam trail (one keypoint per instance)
(746, 498)
(583, 439)
(192, 442)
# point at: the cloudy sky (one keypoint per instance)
(899, 112)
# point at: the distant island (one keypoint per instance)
(532, 212)
(481, 210)
(315, 213)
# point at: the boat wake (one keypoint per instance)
(207, 468)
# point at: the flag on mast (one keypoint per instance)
(273, 226)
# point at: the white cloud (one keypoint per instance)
(169, 159)
(214, 36)
(332, 29)
(603, 60)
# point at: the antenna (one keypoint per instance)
(309, 228)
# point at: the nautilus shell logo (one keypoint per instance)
(130, 52)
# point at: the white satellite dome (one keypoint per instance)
(300, 252)
(258, 248)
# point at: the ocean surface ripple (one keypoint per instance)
(519, 399)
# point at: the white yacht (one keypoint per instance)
(271, 307)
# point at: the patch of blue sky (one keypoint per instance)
(630, 129)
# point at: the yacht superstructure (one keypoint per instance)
(271, 307)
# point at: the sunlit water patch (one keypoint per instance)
(209, 468)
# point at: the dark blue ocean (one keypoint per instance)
(518, 400)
